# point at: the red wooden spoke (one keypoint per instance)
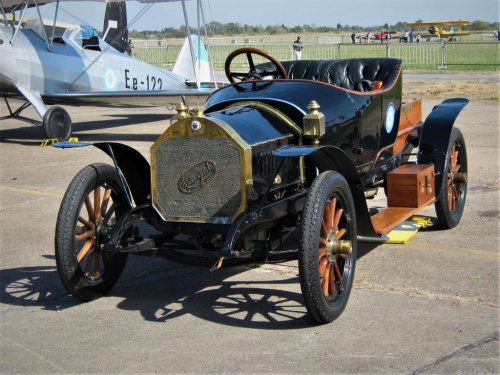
(110, 212)
(87, 234)
(84, 250)
(88, 262)
(331, 278)
(105, 201)
(340, 233)
(338, 216)
(85, 222)
(456, 197)
(97, 202)
(455, 159)
(331, 222)
(450, 194)
(337, 271)
(322, 252)
(323, 266)
(322, 241)
(90, 209)
(326, 281)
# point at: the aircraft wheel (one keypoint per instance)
(451, 200)
(327, 252)
(90, 208)
(57, 124)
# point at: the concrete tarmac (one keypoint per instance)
(430, 306)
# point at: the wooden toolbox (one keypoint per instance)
(410, 185)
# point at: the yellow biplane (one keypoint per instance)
(443, 29)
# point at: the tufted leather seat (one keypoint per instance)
(351, 74)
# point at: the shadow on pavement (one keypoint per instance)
(167, 293)
(27, 135)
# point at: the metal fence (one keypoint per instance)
(432, 54)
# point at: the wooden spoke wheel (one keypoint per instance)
(451, 200)
(91, 206)
(327, 253)
(253, 73)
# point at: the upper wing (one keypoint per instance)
(9, 4)
(439, 23)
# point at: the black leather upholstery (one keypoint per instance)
(351, 74)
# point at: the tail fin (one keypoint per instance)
(184, 66)
(118, 36)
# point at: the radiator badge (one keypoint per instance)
(195, 125)
(196, 177)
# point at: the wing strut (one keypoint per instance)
(23, 13)
(41, 23)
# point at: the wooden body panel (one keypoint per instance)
(409, 119)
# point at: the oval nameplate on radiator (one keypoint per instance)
(197, 176)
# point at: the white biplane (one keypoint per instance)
(77, 67)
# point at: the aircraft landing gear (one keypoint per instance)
(57, 123)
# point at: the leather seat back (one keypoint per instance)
(351, 74)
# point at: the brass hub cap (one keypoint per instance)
(335, 247)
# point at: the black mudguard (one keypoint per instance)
(132, 164)
(333, 158)
(435, 137)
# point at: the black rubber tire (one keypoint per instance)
(57, 124)
(96, 272)
(451, 199)
(328, 188)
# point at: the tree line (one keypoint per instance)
(215, 28)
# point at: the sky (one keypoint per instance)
(288, 12)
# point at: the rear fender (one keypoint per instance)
(333, 158)
(435, 137)
(131, 163)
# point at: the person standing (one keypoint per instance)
(353, 37)
(130, 48)
(297, 48)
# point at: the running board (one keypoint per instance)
(389, 218)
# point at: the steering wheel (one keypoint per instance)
(253, 73)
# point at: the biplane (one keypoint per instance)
(443, 29)
(45, 64)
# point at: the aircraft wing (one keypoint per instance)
(439, 23)
(12, 3)
(140, 98)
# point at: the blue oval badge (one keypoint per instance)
(390, 116)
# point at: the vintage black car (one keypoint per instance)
(287, 147)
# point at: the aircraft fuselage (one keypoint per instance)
(71, 66)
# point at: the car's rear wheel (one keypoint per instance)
(327, 253)
(91, 206)
(451, 200)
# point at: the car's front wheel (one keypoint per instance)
(90, 208)
(327, 253)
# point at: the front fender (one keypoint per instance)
(436, 132)
(134, 167)
(333, 158)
